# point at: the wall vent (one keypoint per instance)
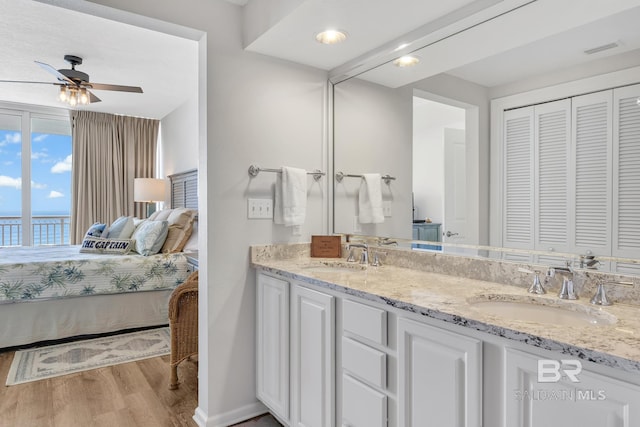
(601, 48)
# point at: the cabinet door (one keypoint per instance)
(552, 171)
(313, 371)
(439, 378)
(518, 198)
(626, 179)
(272, 342)
(594, 401)
(592, 172)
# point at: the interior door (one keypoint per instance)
(455, 187)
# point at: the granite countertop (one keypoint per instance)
(451, 299)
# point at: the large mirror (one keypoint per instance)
(429, 128)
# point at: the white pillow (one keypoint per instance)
(121, 228)
(150, 236)
(192, 243)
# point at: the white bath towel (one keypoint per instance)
(370, 199)
(291, 197)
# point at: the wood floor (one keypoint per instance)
(131, 394)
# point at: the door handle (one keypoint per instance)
(449, 234)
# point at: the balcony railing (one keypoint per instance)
(45, 230)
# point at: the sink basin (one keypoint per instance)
(334, 267)
(541, 310)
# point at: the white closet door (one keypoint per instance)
(626, 178)
(553, 196)
(518, 182)
(592, 172)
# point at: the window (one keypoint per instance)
(35, 178)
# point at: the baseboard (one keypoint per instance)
(229, 418)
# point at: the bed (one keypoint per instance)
(50, 293)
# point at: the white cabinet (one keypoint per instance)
(272, 343)
(594, 401)
(363, 366)
(439, 377)
(312, 344)
(362, 406)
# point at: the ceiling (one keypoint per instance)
(490, 43)
(476, 40)
(112, 52)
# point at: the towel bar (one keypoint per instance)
(255, 170)
(386, 178)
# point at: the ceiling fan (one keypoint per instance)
(75, 85)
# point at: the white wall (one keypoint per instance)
(372, 134)
(258, 110)
(429, 121)
(477, 124)
(179, 138)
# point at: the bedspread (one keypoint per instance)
(31, 273)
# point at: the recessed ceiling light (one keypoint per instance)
(331, 36)
(406, 61)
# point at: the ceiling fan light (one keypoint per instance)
(84, 98)
(63, 93)
(73, 99)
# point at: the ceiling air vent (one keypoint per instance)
(601, 48)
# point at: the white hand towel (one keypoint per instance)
(291, 197)
(370, 199)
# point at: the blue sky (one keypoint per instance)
(50, 172)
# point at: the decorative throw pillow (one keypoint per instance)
(121, 228)
(162, 215)
(106, 246)
(150, 236)
(180, 227)
(96, 230)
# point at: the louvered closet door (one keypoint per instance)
(553, 194)
(518, 227)
(592, 172)
(626, 173)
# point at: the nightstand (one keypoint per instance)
(192, 261)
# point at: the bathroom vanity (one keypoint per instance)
(416, 342)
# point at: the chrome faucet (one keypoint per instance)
(536, 287)
(385, 241)
(567, 291)
(364, 255)
(600, 297)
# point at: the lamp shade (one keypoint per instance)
(149, 189)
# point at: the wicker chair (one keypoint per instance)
(183, 322)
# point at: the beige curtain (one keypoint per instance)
(109, 151)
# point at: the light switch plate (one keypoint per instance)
(260, 209)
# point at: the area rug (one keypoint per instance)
(62, 359)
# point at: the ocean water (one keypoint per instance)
(47, 228)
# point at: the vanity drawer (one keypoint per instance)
(365, 321)
(364, 362)
(362, 406)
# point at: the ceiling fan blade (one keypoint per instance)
(101, 86)
(49, 69)
(27, 81)
(93, 98)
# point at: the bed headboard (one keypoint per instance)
(184, 189)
